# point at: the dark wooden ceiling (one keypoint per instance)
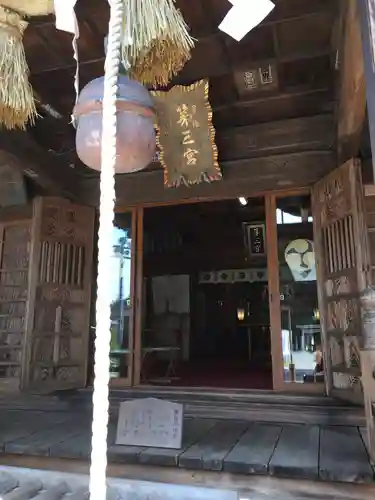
(273, 95)
(295, 41)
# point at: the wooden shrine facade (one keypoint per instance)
(298, 136)
(48, 281)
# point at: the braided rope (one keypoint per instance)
(100, 397)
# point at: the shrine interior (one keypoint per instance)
(194, 258)
(205, 318)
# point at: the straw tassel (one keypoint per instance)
(30, 7)
(156, 41)
(17, 106)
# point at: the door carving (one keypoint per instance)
(57, 329)
(341, 254)
(14, 272)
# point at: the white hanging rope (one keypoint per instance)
(100, 396)
(66, 20)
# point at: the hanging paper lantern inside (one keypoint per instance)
(135, 125)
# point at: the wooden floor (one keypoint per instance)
(327, 453)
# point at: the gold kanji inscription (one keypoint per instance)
(191, 156)
(186, 116)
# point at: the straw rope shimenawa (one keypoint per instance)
(156, 42)
(30, 7)
(17, 105)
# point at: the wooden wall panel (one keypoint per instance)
(14, 277)
(58, 319)
(240, 178)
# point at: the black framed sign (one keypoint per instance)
(255, 237)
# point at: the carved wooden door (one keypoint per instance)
(58, 319)
(14, 272)
(341, 257)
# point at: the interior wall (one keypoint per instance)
(181, 242)
(188, 239)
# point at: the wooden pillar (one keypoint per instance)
(367, 19)
(367, 340)
(274, 294)
(368, 363)
(351, 106)
(137, 283)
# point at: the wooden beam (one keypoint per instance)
(278, 96)
(272, 107)
(18, 150)
(212, 69)
(263, 139)
(352, 87)
(284, 136)
(294, 12)
(314, 131)
(197, 71)
(10, 214)
(240, 178)
(367, 10)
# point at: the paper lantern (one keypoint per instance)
(135, 125)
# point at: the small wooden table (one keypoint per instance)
(149, 351)
(171, 367)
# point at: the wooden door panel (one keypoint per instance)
(341, 255)
(14, 274)
(57, 331)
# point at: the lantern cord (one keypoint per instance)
(98, 487)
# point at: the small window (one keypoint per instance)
(286, 218)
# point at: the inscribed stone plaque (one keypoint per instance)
(150, 422)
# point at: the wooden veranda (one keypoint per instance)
(304, 132)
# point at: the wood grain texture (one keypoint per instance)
(248, 177)
(41, 442)
(297, 452)
(343, 456)
(366, 9)
(60, 284)
(18, 425)
(352, 86)
(209, 452)
(226, 446)
(193, 431)
(253, 451)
